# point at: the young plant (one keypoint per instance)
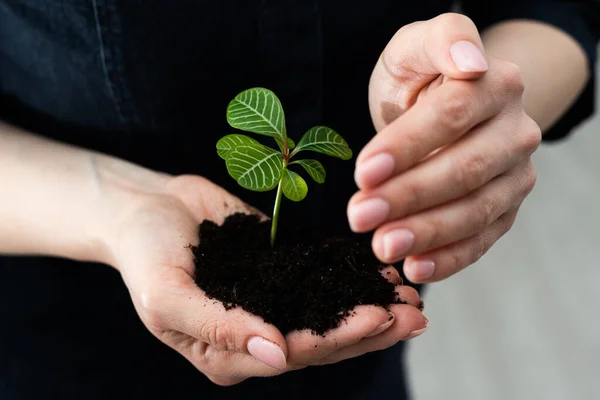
(260, 168)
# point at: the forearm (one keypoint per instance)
(553, 66)
(57, 199)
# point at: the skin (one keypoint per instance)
(457, 142)
(71, 202)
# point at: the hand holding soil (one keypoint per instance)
(151, 248)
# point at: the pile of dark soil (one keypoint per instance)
(309, 280)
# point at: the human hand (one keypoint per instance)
(149, 244)
(445, 175)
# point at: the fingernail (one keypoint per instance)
(374, 170)
(383, 326)
(267, 352)
(368, 214)
(467, 57)
(397, 243)
(418, 332)
(422, 269)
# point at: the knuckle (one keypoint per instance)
(478, 249)
(506, 222)
(454, 19)
(395, 54)
(412, 144)
(511, 77)
(413, 199)
(430, 234)
(532, 137)
(531, 178)
(509, 222)
(487, 211)
(472, 172)
(455, 110)
(150, 301)
(408, 27)
(221, 334)
(455, 263)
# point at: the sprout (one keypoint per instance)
(260, 168)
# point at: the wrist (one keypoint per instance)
(120, 187)
(59, 200)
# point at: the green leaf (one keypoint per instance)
(257, 110)
(230, 142)
(314, 168)
(294, 187)
(290, 144)
(255, 167)
(324, 140)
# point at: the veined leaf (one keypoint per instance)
(314, 168)
(324, 140)
(290, 144)
(294, 187)
(257, 110)
(255, 167)
(230, 142)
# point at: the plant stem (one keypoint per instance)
(276, 211)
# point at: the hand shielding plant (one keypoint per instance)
(260, 168)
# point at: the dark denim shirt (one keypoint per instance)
(149, 81)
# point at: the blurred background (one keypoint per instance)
(524, 322)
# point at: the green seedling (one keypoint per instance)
(260, 168)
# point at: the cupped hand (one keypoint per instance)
(444, 177)
(150, 245)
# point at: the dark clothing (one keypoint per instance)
(149, 82)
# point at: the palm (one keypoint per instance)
(157, 265)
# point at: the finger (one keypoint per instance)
(451, 173)
(448, 44)
(447, 261)
(186, 309)
(452, 45)
(392, 275)
(228, 368)
(223, 368)
(408, 323)
(160, 277)
(440, 118)
(232, 368)
(455, 220)
(216, 206)
(409, 295)
(305, 348)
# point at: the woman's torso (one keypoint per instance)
(149, 82)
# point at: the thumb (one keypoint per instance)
(233, 330)
(448, 44)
